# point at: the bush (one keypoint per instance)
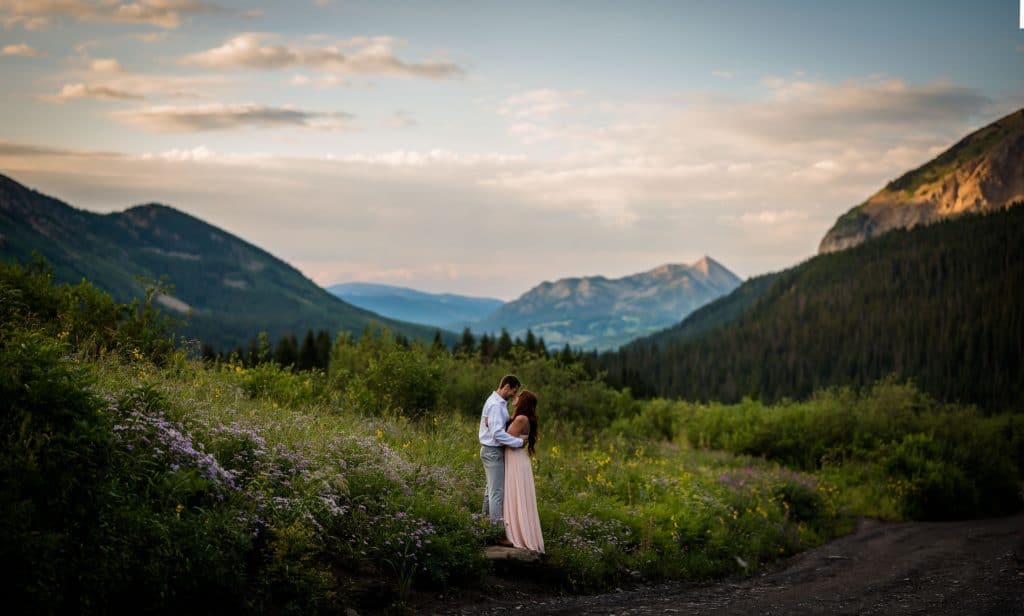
(949, 461)
(84, 316)
(272, 382)
(52, 462)
(404, 380)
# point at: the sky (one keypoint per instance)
(485, 147)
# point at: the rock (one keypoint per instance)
(981, 173)
(498, 552)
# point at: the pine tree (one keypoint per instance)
(467, 344)
(208, 353)
(531, 342)
(565, 356)
(262, 348)
(286, 353)
(307, 353)
(323, 349)
(504, 346)
(487, 348)
(252, 356)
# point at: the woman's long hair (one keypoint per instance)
(526, 405)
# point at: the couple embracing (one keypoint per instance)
(510, 498)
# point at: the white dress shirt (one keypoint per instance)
(492, 424)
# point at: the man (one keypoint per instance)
(492, 440)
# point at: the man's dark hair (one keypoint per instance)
(510, 380)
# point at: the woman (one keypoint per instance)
(522, 524)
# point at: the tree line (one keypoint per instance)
(314, 353)
(941, 305)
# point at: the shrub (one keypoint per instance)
(52, 463)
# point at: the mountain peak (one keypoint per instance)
(599, 312)
(979, 173)
(705, 264)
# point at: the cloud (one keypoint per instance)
(198, 153)
(797, 154)
(25, 150)
(75, 91)
(435, 157)
(541, 103)
(618, 186)
(9, 21)
(766, 217)
(370, 56)
(35, 14)
(107, 79)
(723, 74)
(796, 110)
(106, 66)
(151, 37)
(212, 117)
(20, 49)
(321, 82)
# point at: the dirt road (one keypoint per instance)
(972, 567)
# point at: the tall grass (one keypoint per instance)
(134, 477)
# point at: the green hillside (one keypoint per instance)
(712, 315)
(942, 305)
(231, 289)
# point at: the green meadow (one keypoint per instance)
(135, 476)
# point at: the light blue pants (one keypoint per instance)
(494, 468)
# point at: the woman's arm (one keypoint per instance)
(518, 426)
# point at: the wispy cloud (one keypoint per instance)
(647, 182)
(20, 49)
(75, 91)
(816, 147)
(368, 56)
(766, 217)
(798, 110)
(9, 21)
(541, 103)
(198, 153)
(151, 37)
(25, 150)
(318, 81)
(198, 118)
(107, 79)
(36, 14)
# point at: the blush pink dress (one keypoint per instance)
(522, 524)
